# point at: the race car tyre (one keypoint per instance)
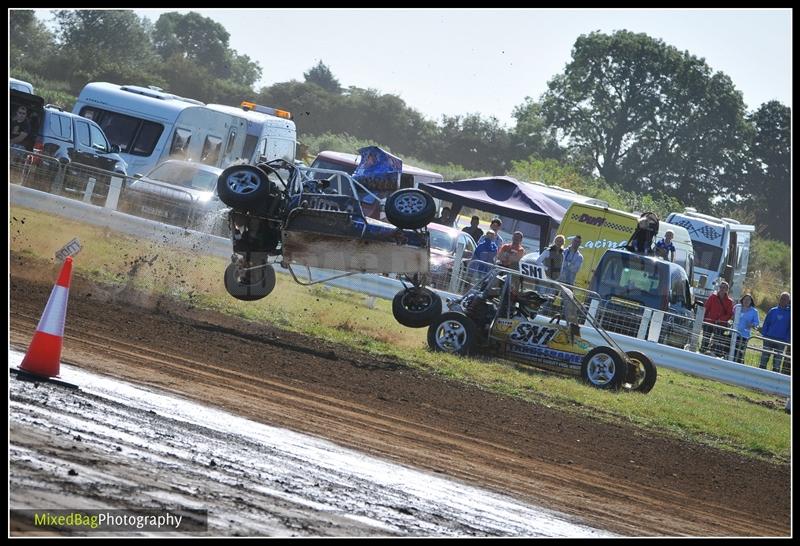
(249, 285)
(416, 307)
(603, 368)
(410, 208)
(453, 333)
(246, 188)
(642, 372)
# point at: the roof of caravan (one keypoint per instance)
(158, 103)
(253, 118)
(353, 159)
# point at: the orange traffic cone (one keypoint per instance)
(43, 358)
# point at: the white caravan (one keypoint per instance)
(271, 133)
(721, 250)
(151, 126)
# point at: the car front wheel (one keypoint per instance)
(642, 373)
(249, 284)
(416, 307)
(603, 368)
(453, 333)
(410, 208)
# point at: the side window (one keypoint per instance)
(60, 127)
(211, 149)
(99, 141)
(82, 129)
(180, 143)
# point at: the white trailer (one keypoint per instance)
(271, 133)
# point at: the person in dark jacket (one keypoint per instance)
(777, 327)
(552, 258)
(473, 230)
(718, 313)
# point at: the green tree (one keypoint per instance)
(194, 37)
(648, 116)
(531, 135)
(104, 44)
(769, 185)
(30, 43)
(322, 76)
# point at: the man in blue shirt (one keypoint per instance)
(777, 326)
(665, 248)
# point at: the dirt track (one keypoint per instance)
(607, 475)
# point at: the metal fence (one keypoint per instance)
(172, 206)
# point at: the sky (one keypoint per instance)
(459, 61)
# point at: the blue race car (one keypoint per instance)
(300, 216)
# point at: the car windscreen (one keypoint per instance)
(185, 176)
(442, 241)
(333, 165)
(706, 256)
(633, 278)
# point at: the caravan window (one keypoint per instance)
(180, 143)
(250, 142)
(211, 149)
(284, 149)
(133, 135)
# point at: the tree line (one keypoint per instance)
(628, 112)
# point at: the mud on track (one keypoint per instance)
(607, 476)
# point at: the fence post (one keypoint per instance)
(646, 314)
(734, 333)
(87, 195)
(455, 277)
(655, 326)
(114, 189)
(697, 329)
(57, 186)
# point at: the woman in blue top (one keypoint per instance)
(748, 318)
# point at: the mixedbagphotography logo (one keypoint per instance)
(67, 521)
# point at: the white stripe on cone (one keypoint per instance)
(55, 313)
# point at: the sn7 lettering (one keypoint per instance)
(532, 334)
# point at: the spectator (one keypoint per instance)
(20, 127)
(748, 318)
(719, 311)
(552, 258)
(510, 253)
(572, 261)
(495, 226)
(483, 256)
(664, 248)
(777, 327)
(473, 230)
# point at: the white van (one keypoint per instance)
(19, 85)
(271, 133)
(150, 126)
(721, 248)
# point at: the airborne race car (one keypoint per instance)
(503, 314)
(300, 216)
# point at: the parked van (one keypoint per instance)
(721, 247)
(150, 126)
(602, 228)
(271, 133)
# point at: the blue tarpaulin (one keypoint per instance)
(502, 195)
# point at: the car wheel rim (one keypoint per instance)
(243, 182)
(417, 301)
(451, 336)
(600, 369)
(410, 204)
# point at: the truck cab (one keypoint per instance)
(721, 248)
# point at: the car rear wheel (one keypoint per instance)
(410, 208)
(246, 188)
(603, 368)
(416, 307)
(453, 333)
(642, 372)
(249, 284)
